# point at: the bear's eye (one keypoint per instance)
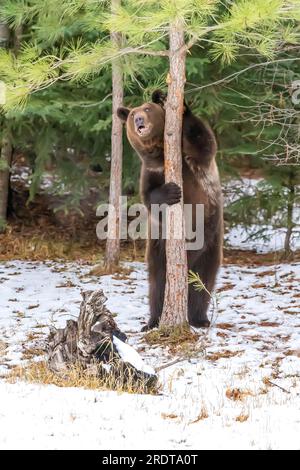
(132, 115)
(147, 110)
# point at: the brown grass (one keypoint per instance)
(224, 326)
(202, 415)
(31, 353)
(236, 394)
(251, 258)
(226, 286)
(292, 352)
(269, 324)
(77, 376)
(119, 272)
(222, 355)
(179, 338)
(3, 346)
(242, 418)
(49, 241)
(169, 416)
(39, 246)
(222, 335)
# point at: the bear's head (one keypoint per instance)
(145, 127)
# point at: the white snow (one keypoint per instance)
(239, 237)
(131, 356)
(254, 339)
(270, 238)
(23, 174)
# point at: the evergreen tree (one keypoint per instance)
(175, 309)
(264, 133)
(232, 33)
(6, 144)
(112, 253)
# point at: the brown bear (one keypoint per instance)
(201, 185)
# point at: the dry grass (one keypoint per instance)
(39, 246)
(225, 326)
(202, 415)
(242, 418)
(76, 376)
(177, 338)
(30, 353)
(251, 258)
(236, 394)
(39, 243)
(120, 272)
(3, 347)
(169, 416)
(48, 241)
(223, 355)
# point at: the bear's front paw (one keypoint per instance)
(172, 193)
(169, 193)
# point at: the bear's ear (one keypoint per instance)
(123, 113)
(159, 97)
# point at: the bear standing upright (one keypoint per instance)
(201, 185)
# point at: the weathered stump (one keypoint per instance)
(97, 344)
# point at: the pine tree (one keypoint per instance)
(263, 132)
(6, 145)
(176, 290)
(112, 253)
(235, 37)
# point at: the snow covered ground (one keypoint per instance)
(246, 238)
(241, 390)
(241, 239)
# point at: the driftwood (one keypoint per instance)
(96, 343)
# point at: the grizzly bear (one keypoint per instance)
(201, 185)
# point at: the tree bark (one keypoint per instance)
(17, 39)
(6, 146)
(176, 290)
(112, 254)
(4, 35)
(290, 212)
(5, 162)
(88, 338)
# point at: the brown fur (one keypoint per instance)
(201, 185)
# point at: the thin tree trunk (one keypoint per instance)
(4, 35)
(17, 39)
(290, 212)
(176, 291)
(5, 162)
(112, 254)
(6, 147)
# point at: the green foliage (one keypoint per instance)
(3, 165)
(59, 86)
(73, 41)
(196, 282)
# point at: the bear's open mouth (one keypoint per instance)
(143, 130)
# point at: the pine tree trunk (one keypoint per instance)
(176, 291)
(17, 39)
(112, 254)
(290, 212)
(6, 147)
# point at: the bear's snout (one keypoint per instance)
(139, 121)
(142, 125)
